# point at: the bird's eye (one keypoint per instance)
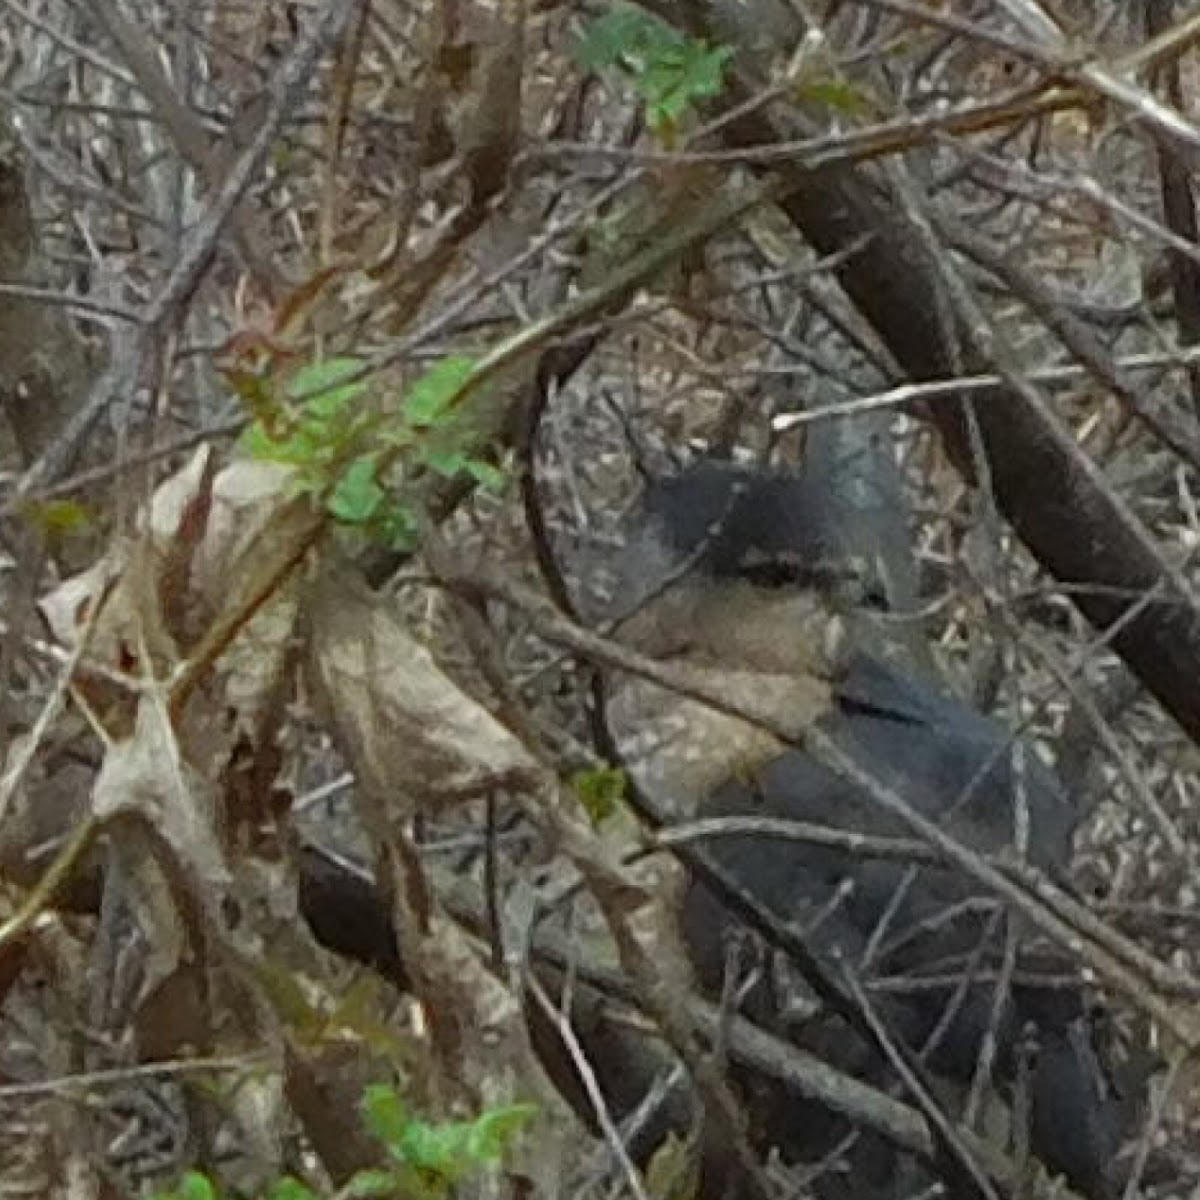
(771, 573)
(875, 600)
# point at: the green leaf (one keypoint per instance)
(623, 31)
(386, 1116)
(195, 1186)
(357, 498)
(442, 1150)
(836, 94)
(291, 1189)
(431, 1158)
(319, 386)
(601, 791)
(494, 1130)
(258, 443)
(675, 81)
(329, 417)
(668, 70)
(430, 399)
(486, 475)
(446, 463)
(58, 517)
(398, 528)
(451, 462)
(451, 1150)
(300, 446)
(703, 72)
(372, 1183)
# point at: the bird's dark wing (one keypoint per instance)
(947, 760)
(884, 916)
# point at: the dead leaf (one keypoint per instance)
(405, 727)
(135, 604)
(148, 775)
(253, 509)
(253, 524)
(145, 776)
(198, 554)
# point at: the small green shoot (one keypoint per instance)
(58, 518)
(601, 791)
(193, 1186)
(426, 1160)
(837, 94)
(670, 71)
(430, 1159)
(429, 400)
(352, 459)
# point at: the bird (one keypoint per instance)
(751, 571)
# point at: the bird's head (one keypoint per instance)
(740, 575)
(740, 566)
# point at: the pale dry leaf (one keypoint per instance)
(147, 774)
(94, 602)
(249, 501)
(405, 727)
(109, 616)
(254, 510)
(150, 775)
(201, 548)
(66, 608)
(140, 585)
(205, 528)
(176, 496)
